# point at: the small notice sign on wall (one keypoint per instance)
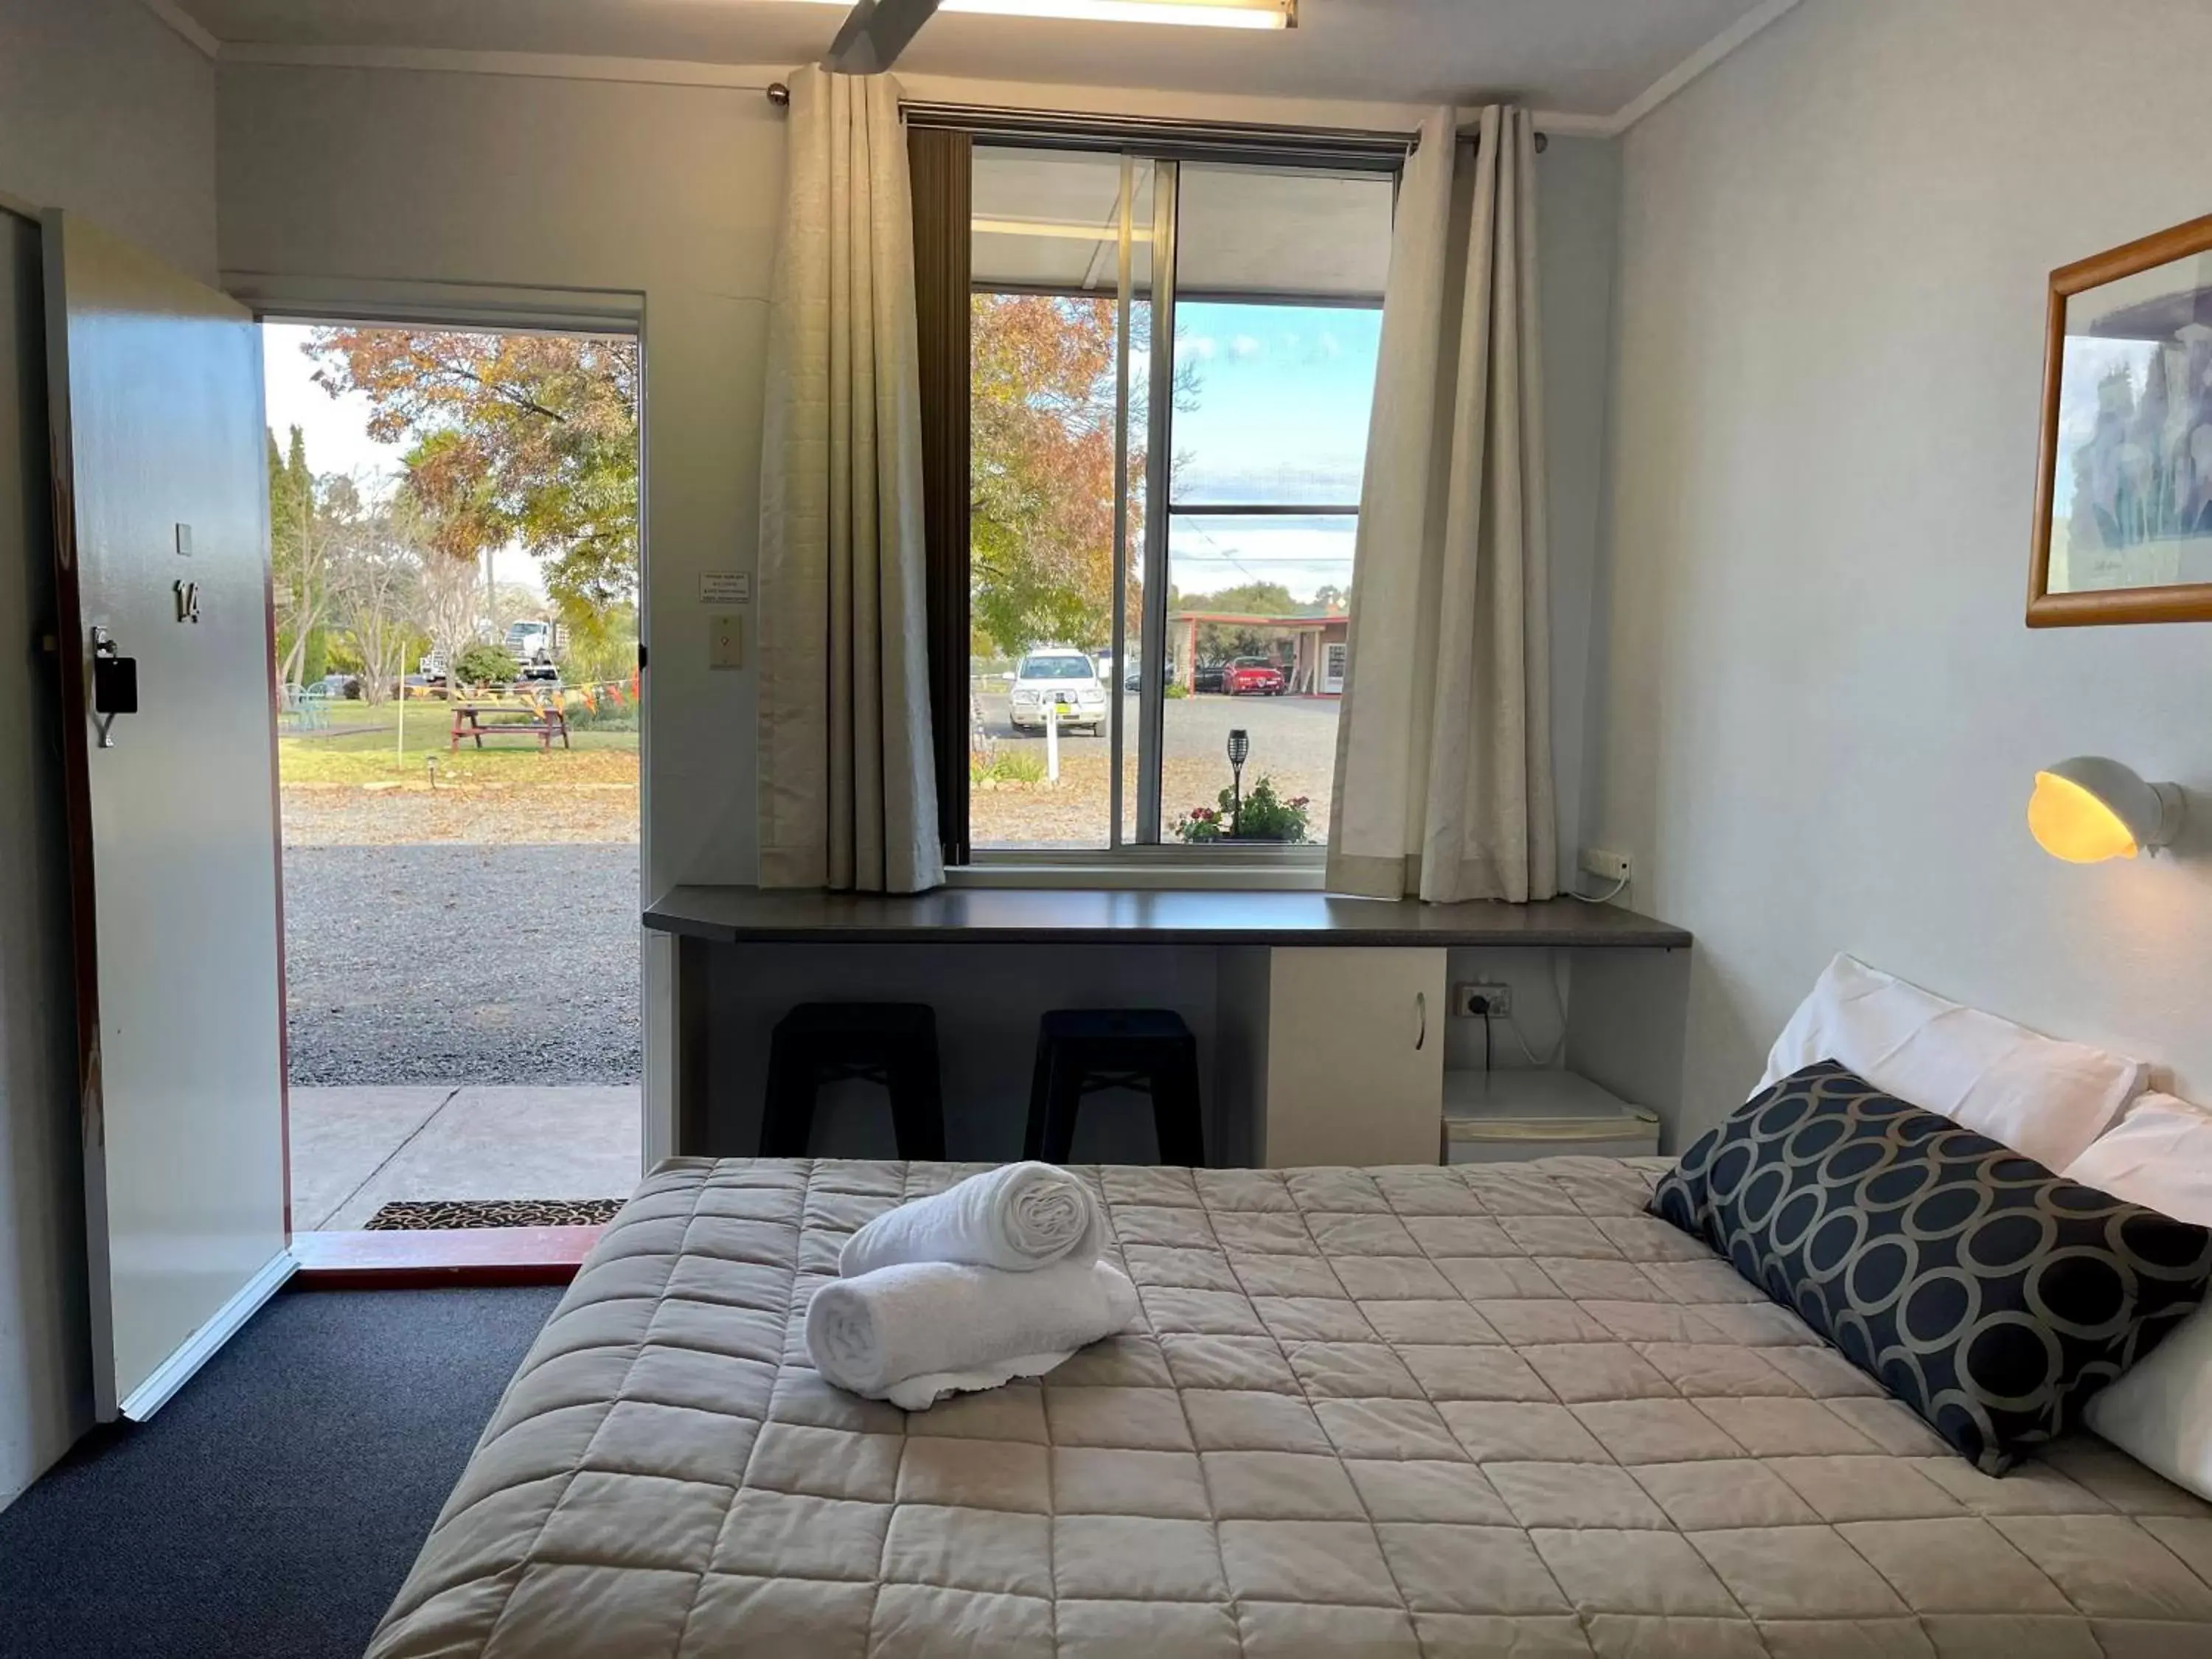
(726, 587)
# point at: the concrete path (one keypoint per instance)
(355, 1149)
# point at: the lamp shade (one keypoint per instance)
(2089, 809)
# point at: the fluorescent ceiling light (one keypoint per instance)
(1203, 14)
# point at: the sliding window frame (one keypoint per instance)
(1118, 577)
(940, 147)
(1159, 468)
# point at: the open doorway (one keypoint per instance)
(455, 540)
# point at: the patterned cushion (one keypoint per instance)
(1986, 1293)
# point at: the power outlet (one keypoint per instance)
(1606, 866)
(1473, 999)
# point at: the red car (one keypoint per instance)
(1253, 676)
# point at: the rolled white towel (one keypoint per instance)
(1018, 1219)
(918, 1393)
(933, 1321)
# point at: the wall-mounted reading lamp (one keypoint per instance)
(2089, 809)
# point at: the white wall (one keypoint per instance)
(1817, 710)
(668, 191)
(674, 192)
(103, 112)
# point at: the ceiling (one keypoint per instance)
(1592, 58)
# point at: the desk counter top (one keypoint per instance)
(987, 915)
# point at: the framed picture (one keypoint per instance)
(2124, 499)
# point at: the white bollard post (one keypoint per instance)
(1052, 741)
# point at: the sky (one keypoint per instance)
(335, 428)
(336, 432)
(1280, 416)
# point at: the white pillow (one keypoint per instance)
(2159, 1156)
(2034, 1094)
(2160, 1412)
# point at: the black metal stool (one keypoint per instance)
(893, 1043)
(1081, 1050)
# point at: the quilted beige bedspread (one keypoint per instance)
(1478, 1411)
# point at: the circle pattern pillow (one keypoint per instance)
(1986, 1293)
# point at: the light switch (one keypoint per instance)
(183, 541)
(725, 640)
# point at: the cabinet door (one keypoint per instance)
(1355, 1056)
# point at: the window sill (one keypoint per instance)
(1288, 871)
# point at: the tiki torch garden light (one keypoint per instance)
(1240, 749)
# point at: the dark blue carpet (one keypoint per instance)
(270, 1510)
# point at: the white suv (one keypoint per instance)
(1055, 677)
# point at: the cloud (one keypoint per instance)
(1244, 347)
(1200, 346)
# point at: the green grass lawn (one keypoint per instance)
(374, 756)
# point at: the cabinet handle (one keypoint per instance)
(1421, 1006)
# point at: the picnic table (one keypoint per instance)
(494, 720)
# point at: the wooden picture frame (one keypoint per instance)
(2093, 581)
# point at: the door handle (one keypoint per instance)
(114, 684)
(1421, 1008)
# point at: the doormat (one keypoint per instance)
(426, 1214)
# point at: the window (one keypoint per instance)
(1199, 330)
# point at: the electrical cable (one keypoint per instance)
(1513, 1025)
(1606, 897)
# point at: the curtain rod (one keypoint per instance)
(1367, 143)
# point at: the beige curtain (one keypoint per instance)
(1443, 750)
(847, 793)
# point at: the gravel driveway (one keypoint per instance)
(456, 964)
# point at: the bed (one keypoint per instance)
(1484, 1410)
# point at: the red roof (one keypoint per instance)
(1319, 621)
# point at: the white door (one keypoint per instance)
(1331, 677)
(161, 542)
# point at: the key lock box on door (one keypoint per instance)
(115, 676)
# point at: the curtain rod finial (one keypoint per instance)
(779, 94)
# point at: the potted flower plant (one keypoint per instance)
(1262, 815)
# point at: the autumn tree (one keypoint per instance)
(1041, 477)
(528, 439)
